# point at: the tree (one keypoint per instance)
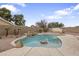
(61, 25)
(19, 19)
(43, 25)
(6, 14)
(55, 24)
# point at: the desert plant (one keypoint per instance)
(42, 24)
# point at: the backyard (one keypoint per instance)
(35, 35)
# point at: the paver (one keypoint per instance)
(70, 46)
(16, 52)
(44, 52)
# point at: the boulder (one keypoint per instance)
(19, 44)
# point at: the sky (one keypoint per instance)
(67, 13)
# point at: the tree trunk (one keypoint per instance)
(6, 31)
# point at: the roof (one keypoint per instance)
(6, 22)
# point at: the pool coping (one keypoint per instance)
(13, 43)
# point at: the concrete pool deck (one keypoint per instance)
(70, 47)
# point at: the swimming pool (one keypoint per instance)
(42, 41)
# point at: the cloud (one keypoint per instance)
(12, 8)
(76, 7)
(22, 4)
(58, 14)
(54, 17)
(63, 12)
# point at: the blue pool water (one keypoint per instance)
(34, 41)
